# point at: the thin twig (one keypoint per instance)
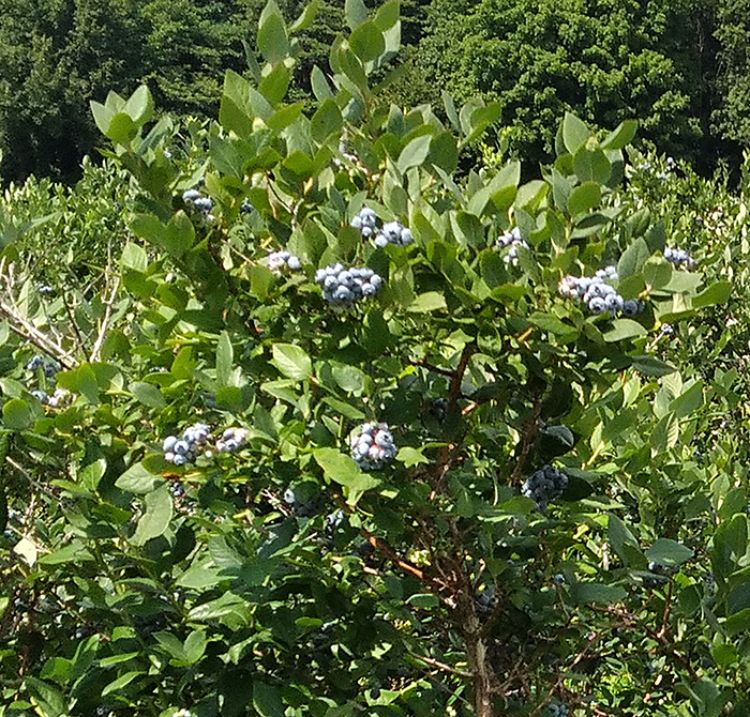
(442, 666)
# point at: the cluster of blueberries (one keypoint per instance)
(280, 260)
(367, 222)
(513, 240)
(598, 295)
(50, 368)
(231, 440)
(394, 233)
(344, 287)
(372, 446)
(390, 233)
(544, 485)
(558, 709)
(679, 257)
(183, 450)
(195, 200)
(659, 575)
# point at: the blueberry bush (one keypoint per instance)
(334, 429)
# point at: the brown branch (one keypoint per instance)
(449, 373)
(530, 431)
(454, 391)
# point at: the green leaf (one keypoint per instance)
(273, 42)
(148, 394)
(320, 87)
(623, 542)
(427, 302)
(591, 165)
(326, 120)
(121, 682)
(140, 105)
(356, 13)
(224, 359)
(575, 133)
(717, 293)
(657, 273)
(584, 197)
(652, 366)
(668, 552)
(633, 258)
(292, 361)
(367, 41)
(344, 470)
(597, 593)
(122, 130)
(228, 605)
(267, 700)
(411, 457)
(102, 116)
(622, 136)
(155, 520)
(415, 153)
(624, 329)
(307, 17)
(49, 699)
(138, 479)
(17, 414)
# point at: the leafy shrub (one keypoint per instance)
(276, 575)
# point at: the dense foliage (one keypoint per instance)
(607, 61)
(300, 419)
(58, 55)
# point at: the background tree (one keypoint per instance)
(54, 57)
(732, 117)
(607, 61)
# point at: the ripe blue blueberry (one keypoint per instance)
(680, 258)
(372, 446)
(512, 241)
(366, 221)
(343, 287)
(280, 260)
(231, 440)
(597, 293)
(544, 485)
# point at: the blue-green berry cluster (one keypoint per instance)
(680, 258)
(333, 522)
(280, 260)
(394, 233)
(557, 709)
(49, 366)
(367, 222)
(181, 451)
(512, 241)
(195, 200)
(231, 440)
(545, 485)
(53, 400)
(372, 446)
(344, 287)
(597, 293)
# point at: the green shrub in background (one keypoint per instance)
(189, 526)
